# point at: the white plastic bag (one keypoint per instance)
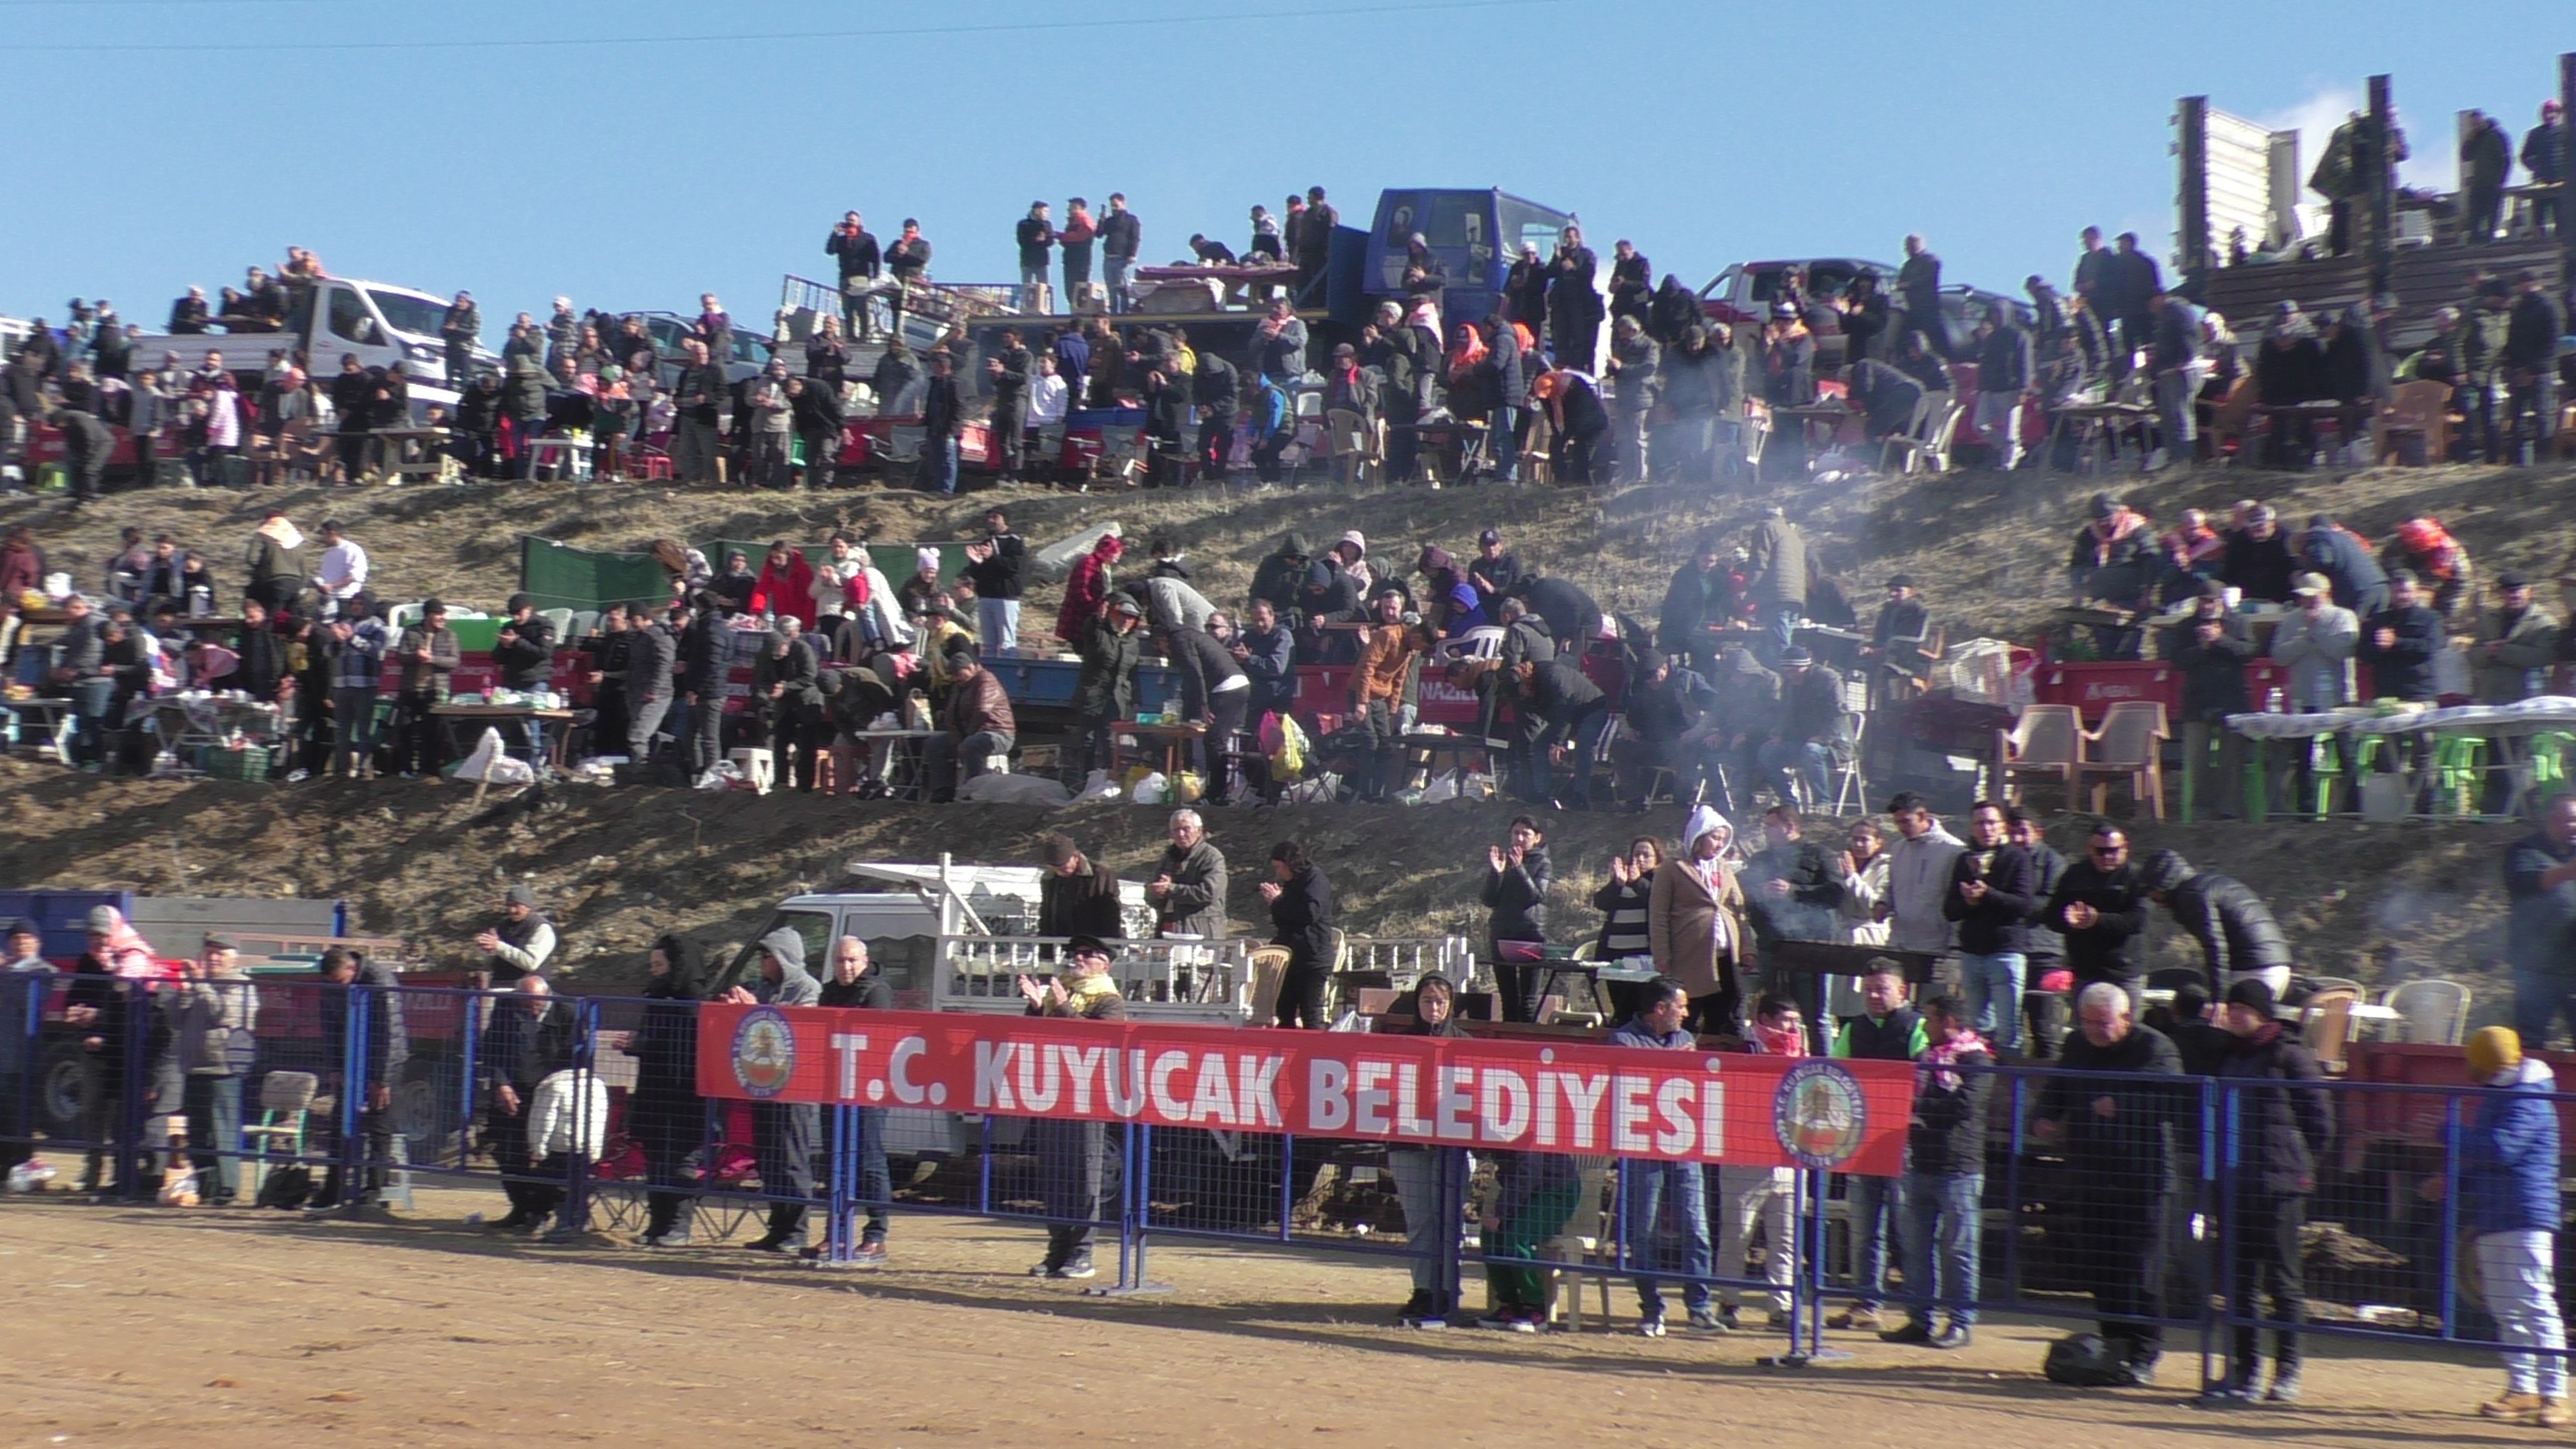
(1099, 787)
(1154, 789)
(1443, 787)
(490, 763)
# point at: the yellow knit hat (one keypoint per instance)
(2491, 1050)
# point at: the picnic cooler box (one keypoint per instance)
(250, 762)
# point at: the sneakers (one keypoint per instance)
(1423, 1310)
(672, 1239)
(1915, 1334)
(871, 1253)
(2526, 1409)
(774, 1243)
(1855, 1317)
(1708, 1320)
(1726, 1317)
(2228, 1393)
(1958, 1335)
(2284, 1390)
(1078, 1268)
(1651, 1327)
(1513, 1320)
(1778, 1322)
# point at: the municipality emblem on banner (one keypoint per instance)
(1819, 1114)
(764, 1053)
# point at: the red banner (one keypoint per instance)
(1677, 1106)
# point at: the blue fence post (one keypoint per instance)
(836, 1223)
(1449, 1191)
(469, 1004)
(574, 1217)
(984, 1170)
(1287, 1182)
(2231, 1108)
(135, 1088)
(350, 1152)
(2012, 1194)
(2451, 1267)
(32, 989)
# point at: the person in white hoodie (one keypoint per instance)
(1918, 876)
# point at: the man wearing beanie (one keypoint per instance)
(2509, 1197)
(522, 943)
(2285, 1121)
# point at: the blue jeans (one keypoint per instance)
(1114, 273)
(998, 620)
(213, 1107)
(1782, 621)
(89, 719)
(1645, 1189)
(1942, 1212)
(876, 1184)
(1876, 1204)
(1993, 988)
(353, 718)
(2538, 998)
(940, 454)
(1502, 441)
(1801, 762)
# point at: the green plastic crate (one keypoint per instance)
(247, 763)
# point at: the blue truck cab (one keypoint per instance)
(1475, 234)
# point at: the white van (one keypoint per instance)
(380, 322)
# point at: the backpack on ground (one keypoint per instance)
(2084, 1361)
(286, 1187)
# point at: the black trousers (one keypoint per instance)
(1216, 443)
(668, 1129)
(822, 450)
(1074, 1183)
(419, 749)
(782, 1137)
(1225, 721)
(1517, 982)
(2264, 1236)
(1718, 1013)
(706, 734)
(1301, 998)
(1011, 434)
(2118, 1251)
(506, 1134)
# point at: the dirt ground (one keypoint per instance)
(155, 1328)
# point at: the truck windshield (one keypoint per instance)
(418, 316)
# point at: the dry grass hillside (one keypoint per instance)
(620, 866)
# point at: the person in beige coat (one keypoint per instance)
(1695, 923)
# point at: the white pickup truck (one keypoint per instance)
(379, 322)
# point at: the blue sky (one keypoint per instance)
(638, 175)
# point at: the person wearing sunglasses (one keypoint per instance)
(2100, 908)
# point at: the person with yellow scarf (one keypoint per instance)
(1073, 1156)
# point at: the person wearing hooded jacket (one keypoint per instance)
(1301, 912)
(664, 1113)
(2237, 935)
(1695, 923)
(2285, 1121)
(2509, 1197)
(783, 1133)
(1426, 1177)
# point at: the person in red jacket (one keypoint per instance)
(1086, 589)
(785, 587)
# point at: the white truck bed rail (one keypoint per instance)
(1206, 981)
(1405, 959)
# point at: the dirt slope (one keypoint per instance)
(618, 867)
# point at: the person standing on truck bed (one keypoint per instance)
(459, 328)
(1121, 237)
(1036, 236)
(1918, 282)
(1079, 896)
(522, 943)
(856, 250)
(999, 564)
(1314, 240)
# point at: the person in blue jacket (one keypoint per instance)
(2509, 1198)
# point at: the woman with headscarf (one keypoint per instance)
(1469, 397)
(664, 1114)
(1450, 603)
(1695, 923)
(1301, 911)
(1418, 1171)
(1086, 588)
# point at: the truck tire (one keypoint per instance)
(58, 1091)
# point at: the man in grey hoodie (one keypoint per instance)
(1918, 876)
(783, 1133)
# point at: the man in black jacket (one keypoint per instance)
(1993, 894)
(1121, 237)
(814, 408)
(2400, 643)
(2043, 1010)
(1215, 389)
(999, 567)
(2531, 367)
(855, 249)
(2004, 373)
(2238, 936)
(2118, 1137)
(531, 1037)
(524, 650)
(1036, 236)
(1079, 896)
(353, 987)
(1215, 691)
(1558, 705)
(2101, 911)
(1918, 284)
(1010, 367)
(2258, 559)
(706, 658)
(1791, 890)
(786, 697)
(1945, 1178)
(2284, 1122)
(943, 417)
(2210, 646)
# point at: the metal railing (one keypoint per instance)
(2163, 1208)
